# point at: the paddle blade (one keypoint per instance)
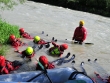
(89, 43)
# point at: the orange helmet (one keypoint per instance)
(21, 30)
(43, 59)
(2, 61)
(12, 37)
(64, 46)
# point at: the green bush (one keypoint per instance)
(3, 50)
(6, 30)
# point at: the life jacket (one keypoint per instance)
(16, 43)
(55, 51)
(80, 34)
(2, 61)
(42, 42)
(9, 65)
(50, 66)
(26, 35)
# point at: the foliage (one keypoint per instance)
(8, 4)
(3, 50)
(6, 30)
(101, 7)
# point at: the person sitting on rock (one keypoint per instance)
(45, 63)
(24, 34)
(57, 50)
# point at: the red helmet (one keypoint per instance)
(2, 61)
(64, 46)
(21, 30)
(43, 59)
(12, 37)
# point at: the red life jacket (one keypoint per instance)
(26, 35)
(2, 61)
(80, 34)
(42, 42)
(50, 66)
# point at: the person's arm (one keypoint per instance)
(60, 54)
(84, 34)
(55, 44)
(74, 34)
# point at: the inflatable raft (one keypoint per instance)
(57, 75)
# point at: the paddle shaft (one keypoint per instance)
(44, 70)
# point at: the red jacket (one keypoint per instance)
(26, 35)
(49, 66)
(41, 42)
(80, 34)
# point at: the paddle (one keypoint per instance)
(76, 42)
(44, 71)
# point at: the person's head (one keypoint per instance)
(43, 60)
(81, 23)
(2, 61)
(64, 46)
(12, 37)
(29, 50)
(21, 30)
(36, 38)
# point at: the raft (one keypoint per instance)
(57, 75)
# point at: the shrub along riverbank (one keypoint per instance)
(101, 7)
(6, 30)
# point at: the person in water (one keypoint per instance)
(7, 66)
(28, 53)
(107, 80)
(24, 34)
(57, 50)
(38, 41)
(15, 42)
(45, 63)
(80, 33)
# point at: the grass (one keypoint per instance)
(6, 30)
(3, 50)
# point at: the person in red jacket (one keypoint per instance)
(57, 50)
(46, 64)
(80, 33)
(24, 34)
(28, 53)
(15, 42)
(107, 80)
(38, 41)
(5, 66)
